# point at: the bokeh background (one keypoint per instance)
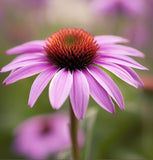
(124, 135)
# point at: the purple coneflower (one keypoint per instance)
(42, 136)
(72, 60)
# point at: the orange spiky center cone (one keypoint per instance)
(71, 49)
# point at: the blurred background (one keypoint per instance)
(124, 135)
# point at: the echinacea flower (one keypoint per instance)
(115, 7)
(42, 136)
(72, 59)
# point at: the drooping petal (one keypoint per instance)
(32, 46)
(108, 84)
(114, 48)
(39, 84)
(25, 72)
(28, 56)
(133, 74)
(59, 88)
(120, 72)
(108, 39)
(123, 60)
(116, 53)
(79, 94)
(99, 94)
(12, 65)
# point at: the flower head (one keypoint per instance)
(72, 49)
(72, 59)
(44, 135)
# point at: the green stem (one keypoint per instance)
(73, 133)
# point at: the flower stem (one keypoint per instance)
(73, 133)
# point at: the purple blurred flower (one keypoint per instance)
(44, 135)
(35, 4)
(71, 60)
(19, 18)
(137, 34)
(124, 7)
(26, 10)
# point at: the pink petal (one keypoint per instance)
(119, 48)
(99, 94)
(108, 84)
(28, 56)
(79, 94)
(116, 53)
(25, 72)
(123, 60)
(32, 46)
(133, 75)
(24, 63)
(109, 39)
(59, 88)
(120, 72)
(39, 84)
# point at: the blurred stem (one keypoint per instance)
(73, 133)
(90, 121)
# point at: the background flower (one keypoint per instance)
(117, 7)
(42, 136)
(137, 34)
(124, 18)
